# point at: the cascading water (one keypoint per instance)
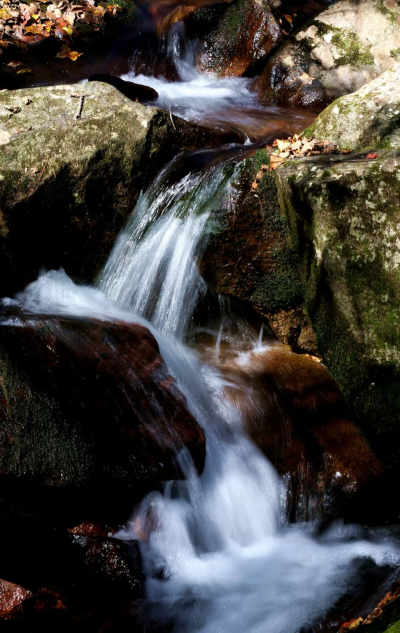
(218, 556)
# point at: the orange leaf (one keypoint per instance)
(74, 55)
(274, 162)
(372, 156)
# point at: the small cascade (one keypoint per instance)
(153, 267)
(218, 554)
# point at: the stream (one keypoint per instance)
(219, 554)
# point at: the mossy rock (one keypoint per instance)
(349, 44)
(250, 255)
(67, 184)
(368, 118)
(345, 214)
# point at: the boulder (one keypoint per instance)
(295, 413)
(88, 408)
(368, 118)
(344, 214)
(71, 171)
(250, 256)
(12, 600)
(244, 35)
(349, 44)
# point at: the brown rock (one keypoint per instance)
(301, 423)
(99, 410)
(12, 599)
(250, 255)
(246, 34)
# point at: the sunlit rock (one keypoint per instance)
(71, 171)
(343, 48)
(368, 118)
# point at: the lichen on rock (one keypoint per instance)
(349, 44)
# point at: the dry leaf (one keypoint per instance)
(74, 55)
(24, 71)
(274, 162)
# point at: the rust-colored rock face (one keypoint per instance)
(295, 413)
(246, 34)
(12, 598)
(88, 403)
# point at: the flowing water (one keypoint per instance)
(219, 555)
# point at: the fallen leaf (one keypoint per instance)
(274, 162)
(14, 63)
(282, 145)
(74, 55)
(68, 30)
(24, 71)
(372, 156)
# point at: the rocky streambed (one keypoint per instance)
(92, 418)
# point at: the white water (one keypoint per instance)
(218, 556)
(226, 103)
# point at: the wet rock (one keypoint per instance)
(368, 118)
(131, 90)
(250, 256)
(298, 417)
(68, 184)
(115, 564)
(99, 413)
(245, 34)
(344, 213)
(12, 599)
(343, 48)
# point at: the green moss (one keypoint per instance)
(395, 53)
(353, 51)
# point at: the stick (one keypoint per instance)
(170, 115)
(79, 110)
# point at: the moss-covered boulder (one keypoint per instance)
(347, 45)
(344, 215)
(368, 118)
(241, 36)
(71, 171)
(249, 255)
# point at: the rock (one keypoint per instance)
(67, 185)
(245, 34)
(131, 90)
(347, 45)
(12, 599)
(297, 416)
(115, 564)
(344, 214)
(250, 256)
(89, 406)
(368, 118)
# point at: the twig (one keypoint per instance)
(170, 115)
(42, 172)
(80, 106)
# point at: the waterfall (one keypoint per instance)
(218, 555)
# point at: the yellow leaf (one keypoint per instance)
(35, 16)
(23, 71)
(282, 145)
(74, 55)
(68, 30)
(4, 15)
